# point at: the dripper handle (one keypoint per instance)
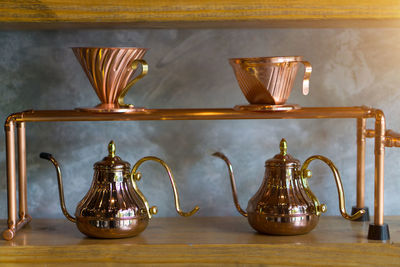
(306, 78)
(50, 158)
(135, 175)
(135, 65)
(305, 174)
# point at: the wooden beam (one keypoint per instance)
(202, 241)
(34, 14)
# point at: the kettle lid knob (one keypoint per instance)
(112, 161)
(283, 159)
(283, 147)
(111, 149)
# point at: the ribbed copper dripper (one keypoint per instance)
(110, 71)
(269, 80)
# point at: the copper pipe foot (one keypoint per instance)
(378, 232)
(9, 234)
(364, 217)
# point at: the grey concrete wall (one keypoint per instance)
(189, 68)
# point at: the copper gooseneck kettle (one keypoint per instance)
(284, 204)
(114, 207)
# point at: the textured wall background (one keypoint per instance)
(189, 68)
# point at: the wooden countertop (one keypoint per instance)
(56, 14)
(202, 241)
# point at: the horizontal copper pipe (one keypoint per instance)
(392, 138)
(191, 114)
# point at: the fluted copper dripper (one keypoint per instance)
(110, 71)
(269, 80)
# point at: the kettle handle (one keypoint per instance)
(50, 158)
(305, 174)
(135, 175)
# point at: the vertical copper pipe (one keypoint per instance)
(380, 129)
(22, 170)
(360, 163)
(11, 181)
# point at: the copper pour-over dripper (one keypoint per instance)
(110, 71)
(266, 82)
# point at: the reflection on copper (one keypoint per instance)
(286, 107)
(269, 80)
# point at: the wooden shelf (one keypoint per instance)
(203, 240)
(54, 14)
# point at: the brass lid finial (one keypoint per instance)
(112, 161)
(282, 159)
(283, 147)
(111, 149)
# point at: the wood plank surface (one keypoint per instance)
(203, 241)
(197, 13)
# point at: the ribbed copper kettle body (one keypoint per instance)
(281, 205)
(111, 208)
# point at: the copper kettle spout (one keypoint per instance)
(233, 184)
(50, 157)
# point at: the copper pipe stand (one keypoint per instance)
(16, 158)
(286, 107)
